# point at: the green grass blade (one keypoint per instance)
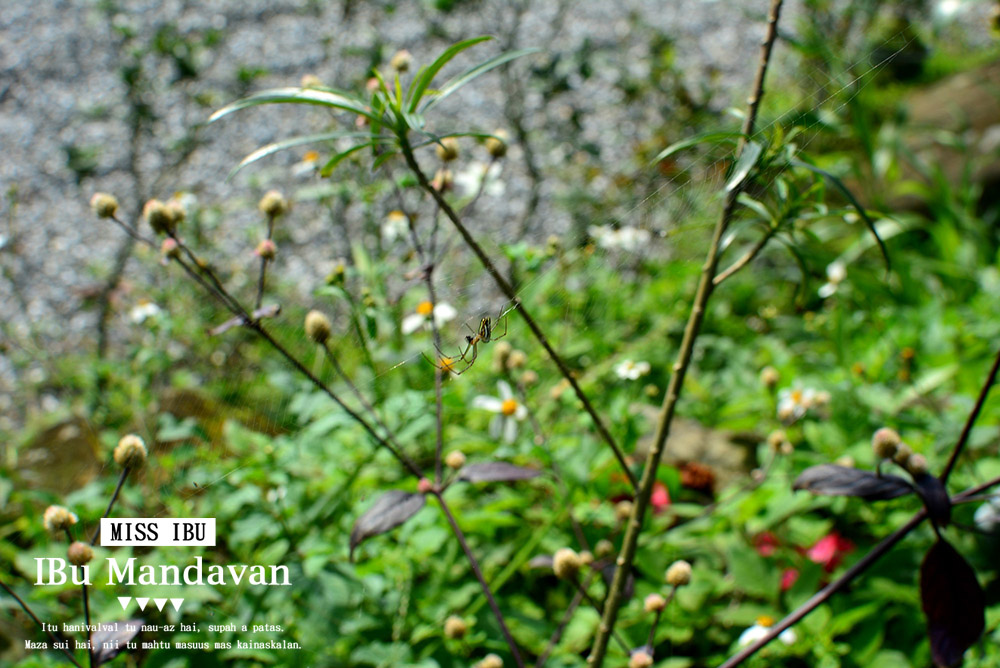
(337, 159)
(748, 158)
(427, 74)
(454, 84)
(324, 98)
(270, 149)
(839, 185)
(703, 138)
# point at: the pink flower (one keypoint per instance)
(660, 498)
(765, 543)
(788, 578)
(830, 550)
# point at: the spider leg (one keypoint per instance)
(475, 353)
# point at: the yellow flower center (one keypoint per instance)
(508, 407)
(310, 156)
(765, 621)
(396, 214)
(797, 396)
(425, 308)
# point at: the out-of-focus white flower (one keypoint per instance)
(509, 411)
(760, 629)
(628, 239)
(987, 517)
(948, 9)
(395, 226)
(142, 310)
(308, 166)
(471, 178)
(630, 370)
(442, 313)
(836, 272)
(794, 403)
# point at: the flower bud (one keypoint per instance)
(769, 376)
(529, 377)
(885, 442)
(447, 150)
(425, 486)
(566, 563)
(679, 573)
(640, 659)
(58, 518)
(401, 60)
(177, 212)
(131, 452)
(79, 553)
(497, 144)
(623, 510)
(104, 205)
(318, 327)
(903, 452)
(266, 250)
(455, 459)
(517, 359)
(586, 558)
(310, 81)
(160, 218)
(776, 438)
(490, 661)
(170, 248)
(654, 603)
(273, 204)
(455, 627)
(916, 464)
(443, 180)
(501, 353)
(604, 548)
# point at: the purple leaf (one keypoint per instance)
(392, 509)
(114, 639)
(834, 480)
(935, 497)
(495, 472)
(953, 602)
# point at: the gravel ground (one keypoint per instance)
(60, 87)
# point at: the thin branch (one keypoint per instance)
(111, 504)
(482, 580)
(24, 606)
(964, 438)
(508, 290)
(564, 622)
(684, 356)
(745, 259)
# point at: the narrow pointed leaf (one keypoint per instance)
(748, 158)
(495, 472)
(388, 512)
(833, 480)
(953, 602)
(332, 163)
(115, 640)
(935, 497)
(839, 185)
(426, 75)
(325, 98)
(703, 138)
(273, 148)
(465, 77)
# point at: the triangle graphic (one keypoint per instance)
(160, 602)
(124, 601)
(177, 602)
(142, 602)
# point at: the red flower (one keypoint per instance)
(765, 543)
(830, 550)
(788, 578)
(660, 498)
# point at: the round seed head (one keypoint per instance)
(455, 459)
(104, 205)
(58, 518)
(318, 327)
(131, 452)
(679, 573)
(425, 486)
(566, 563)
(903, 452)
(447, 150)
(497, 144)
(310, 81)
(770, 377)
(159, 217)
(654, 603)
(273, 204)
(266, 250)
(885, 441)
(623, 510)
(640, 659)
(79, 553)
(170, 249)
(916, 464)
(604, 548)
(455, 627)
(401, 60)
(490, 661)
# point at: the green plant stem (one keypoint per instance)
(745, 259)
(684, 355)
(509, 292)
(111, 504)
(973, 415)
(482, 580)
(564, 622)
(30, 613)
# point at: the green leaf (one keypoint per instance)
(748, 158)
(703, 138)
(465, 77)
(336, 160)
(426, 74)
(274, 147)
(839, 185)
(323, 98)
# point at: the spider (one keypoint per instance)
(484, 335)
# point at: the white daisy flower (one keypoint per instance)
(443, 312)
(143, 310)
(470, 179)
(760, 629)
(629, 370)
(836, 272)
(508, 409)
(395, 226)
(794, 403)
